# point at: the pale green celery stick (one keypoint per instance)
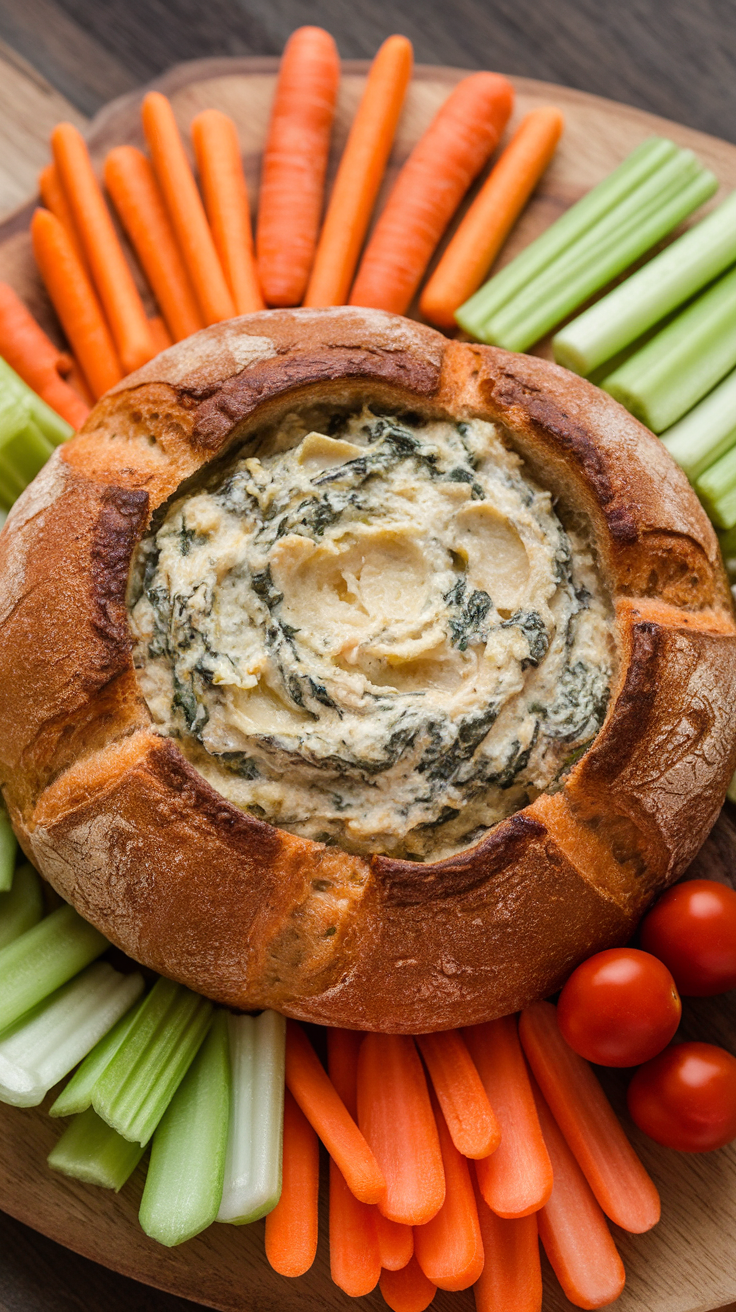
(499, 290)
(677, 273)
(22, 907)
(706, 432)
(56, 429)
(44, 958)
(515, 329)
(717, 490)
(91, 1151)
(76, 1096)
(14, 416)
(8, 848)
(185, 1174)
(682, 363)
(253, 1166)
(137, 1086)
(42, 1047)
(622, 224)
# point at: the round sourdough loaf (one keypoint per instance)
(125, 828)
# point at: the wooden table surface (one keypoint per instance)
(66, 58)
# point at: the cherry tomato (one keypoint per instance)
(686, 1097)
(619, 1008)
(692, 929)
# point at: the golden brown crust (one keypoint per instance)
(125, 828)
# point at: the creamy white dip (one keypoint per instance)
(381, 636)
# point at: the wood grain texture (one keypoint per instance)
(685, 1265)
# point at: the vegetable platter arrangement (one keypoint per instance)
(451, 1154)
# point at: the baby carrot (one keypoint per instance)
(586, 1118)
(112, 278)
(55, 199)
(407, 1290)
(215, 141)
(470, 1118)
(355, 1260)
(75, 302)
(26, 348)
(395, 1115)
(573, 1229)
(78, 383)
(295, 163)
(360, 174)
(517, 1178)
(492, 215)
(449, 1248)
(315, 1093)
(291, 1228)
(395, 1242)
(428, 190)
(185, 209)
(131, 182)
(512, 1274)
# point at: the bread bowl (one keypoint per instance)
(109, 797)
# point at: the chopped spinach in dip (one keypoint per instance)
(379, 636)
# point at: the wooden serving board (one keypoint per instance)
(688, 1263)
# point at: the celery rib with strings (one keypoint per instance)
(89, 1150)
(29, 432)
(38, 962)
(252, 1183)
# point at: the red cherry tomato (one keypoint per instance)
(686, 1097)
(619, 1008)
(692, 929)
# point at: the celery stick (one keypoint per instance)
(561, 235)
(22, 907)
(89, 1150)
(43, 1046)
(716, 488)
(44, 958)
(681, 364)
(185, 1174)
(698, 256)
(56, 429)
(137, 1086)
(76, 1096)
(706, 432)
(253, 1166)
(622, 223)
(8, 848)
(520, 325)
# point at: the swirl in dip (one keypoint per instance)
(378, 635)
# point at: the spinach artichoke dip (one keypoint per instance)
(378, 634)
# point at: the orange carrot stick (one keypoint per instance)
(360, 174)
(428, 190)
(470, 1118)
(614, 1172)
(185, 209)
(395, 1242)
(573, 1229)
(355, 1260)
(327, 1114)
(449, 1248)
(291, 1228)
(112, 278)
(215, 140)
(136, 195)
(295, 163)
(55, 199)
(75, 302)
(79, 384)
(407, 1290)
(26, 348)
(396, 1117)
(512, 1274)
(517, 1179)
(160, 333)
(492, 215)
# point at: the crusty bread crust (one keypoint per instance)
(123, 826)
